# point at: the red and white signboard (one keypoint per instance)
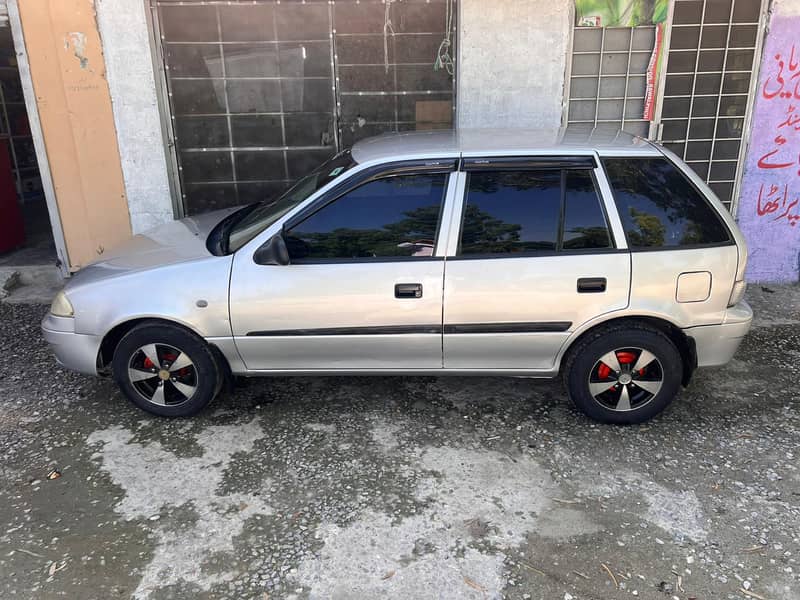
(652, 74)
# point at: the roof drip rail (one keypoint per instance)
(528, 162)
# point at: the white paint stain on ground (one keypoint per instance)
(328, 428)
(384, 434)
(565, 523)
(156, 481)
(677, 512)
(485, 485)
(470, 495)
(376, 558)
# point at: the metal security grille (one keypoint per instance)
(713, 51)
(384, 55)
(261, 91)
(608, 77)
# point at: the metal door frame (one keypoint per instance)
(37, 135)
(763, 27)
(165, 114)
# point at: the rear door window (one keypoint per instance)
(523, 212)
(511, 212)
(584, 222)
(659, 206)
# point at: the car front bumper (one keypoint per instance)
(74, 351)
(716, 344)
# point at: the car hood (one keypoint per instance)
(174, 242)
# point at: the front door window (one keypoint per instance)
(393, 217)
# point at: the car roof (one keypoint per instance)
(501, 142)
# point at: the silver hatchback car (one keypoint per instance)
(600, 258)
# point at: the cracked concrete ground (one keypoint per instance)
(398, 487)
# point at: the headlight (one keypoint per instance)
(61, 306)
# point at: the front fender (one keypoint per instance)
(192, 293)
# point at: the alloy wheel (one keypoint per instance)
(162, 374)
(626, 379)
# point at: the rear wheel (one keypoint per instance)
(166, 370)
(623, 374)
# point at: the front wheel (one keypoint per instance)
(166, 370)
(624, 374)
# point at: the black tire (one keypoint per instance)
(584, 368)
(199, 382)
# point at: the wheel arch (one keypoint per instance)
(111, 339)
(683, 343)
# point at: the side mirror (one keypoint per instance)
(273, 252)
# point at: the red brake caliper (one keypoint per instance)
(624, 358)
(148, 364)
(170, 358)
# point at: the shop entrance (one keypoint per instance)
(26, 236)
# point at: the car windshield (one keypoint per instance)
(255, 220)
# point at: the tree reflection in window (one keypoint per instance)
(520, 211)
(511, 211)
(648, 230)
(584, 222)
(659, 206)
(391, 217)
(482, 233)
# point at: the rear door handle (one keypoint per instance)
(408, 290)
(591, 285)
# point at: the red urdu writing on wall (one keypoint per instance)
(777, 201)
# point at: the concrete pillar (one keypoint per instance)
(67, 72)
(129, 67)
(512, 63)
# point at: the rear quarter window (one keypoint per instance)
(659, 206)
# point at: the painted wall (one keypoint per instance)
(769, 206)
(74, 106)
(129, 70)
(498, 42)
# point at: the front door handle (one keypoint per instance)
(591, 285)
(408, 290)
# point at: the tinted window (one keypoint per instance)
(584, 222)
(660, 207)
(395, 216)
(269, 211)
(520, 211)
(514, 211)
